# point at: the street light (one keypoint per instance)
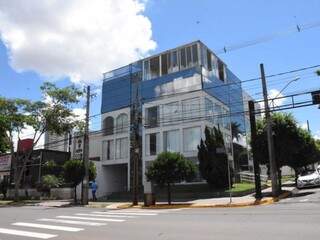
(293, 80)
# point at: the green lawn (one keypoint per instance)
(242, 187)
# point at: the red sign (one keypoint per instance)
(25, 144)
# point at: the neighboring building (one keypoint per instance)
(56, 142)
(35, 166)
(163, 103)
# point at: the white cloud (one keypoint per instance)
(304, 126)
(274, 93)
(80, 113)
(317, 135)
(79, 39)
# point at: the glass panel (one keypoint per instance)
(209, 110)
(195, 54)
(146, 68)
(152, 115)
(122, 123)
(121, 148)
(209, 60)
(191, 139)
(183, 58)
(170, 113)
(221, 70)
(108, 150)
(189, 57)
(164, 64)
(108, 126)
(152, 144)
(191, 109)
(154, 67)
(174, 62)
(171, 141)
(217, 115)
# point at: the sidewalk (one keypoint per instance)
(244, 201)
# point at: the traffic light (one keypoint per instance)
(315, 97)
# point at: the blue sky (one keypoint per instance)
(218, 24)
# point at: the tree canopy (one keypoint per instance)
(52, 114)
(169, 168)
(74, 173)
(213, 160)
(294, 146)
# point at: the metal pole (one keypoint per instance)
(273, 166)
(308, 126)
(256, 167)
(85, 187)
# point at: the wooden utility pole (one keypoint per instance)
(272, 160)
(85, 186)
(256, 167)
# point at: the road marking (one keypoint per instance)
(99, 215)
(51, 227)
(93, 219)
(26, 234)
(72, 222)
(128, 213)
(304, 200)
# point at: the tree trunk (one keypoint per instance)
(169, 193)
(75, 194)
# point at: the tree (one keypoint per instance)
(50, 181)
(169, 168)
(318, 72)
(53, 114)
(213, 160)
(74, 173)
(294, 146)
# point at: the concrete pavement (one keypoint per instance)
(296, 217)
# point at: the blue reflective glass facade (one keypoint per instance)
(123, 86)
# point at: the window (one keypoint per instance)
(209, 109)
(108, 125)
(121, 148)
(171, 141)
(195, 54)
(189, 57)
(218, 113)
(209, 61)
(108, 150)
(154, 67)
(226, 118)
(170, 113)
(191, 138)
(174, 67)
(191, 108)
(152, 116)
(183, 63)
(146, 70)
(152, 144)
(122, 123)
(165, 63)
(221, 71)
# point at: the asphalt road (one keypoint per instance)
(297, 217)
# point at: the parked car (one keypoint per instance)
(308, 180)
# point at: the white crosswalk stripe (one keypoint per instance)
(51, 227)
(127, 213)
(85, 223)
(26, 233)
(104, 215)
(93, 219)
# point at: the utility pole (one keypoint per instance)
(308, 126)
(85, 186)
(273, 166)
(256, 167)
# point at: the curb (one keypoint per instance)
(266, 201)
